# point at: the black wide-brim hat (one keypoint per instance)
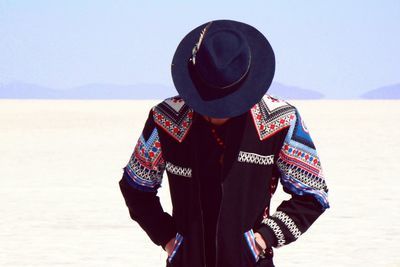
(223, 68)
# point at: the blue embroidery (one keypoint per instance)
(146, 165)
(299, 164)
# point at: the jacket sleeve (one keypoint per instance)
(141, 179)
(300, 172)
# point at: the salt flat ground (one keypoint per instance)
(60, 204)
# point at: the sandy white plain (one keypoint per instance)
(60, 204)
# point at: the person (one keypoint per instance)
(224, 144)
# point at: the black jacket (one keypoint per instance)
(272, 145)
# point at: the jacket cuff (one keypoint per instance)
(268, 235)
(168, 233)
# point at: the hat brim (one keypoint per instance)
(252, 89)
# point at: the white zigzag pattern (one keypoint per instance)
(186, 172)
(277, 231)
(255, 158)
(288, 222)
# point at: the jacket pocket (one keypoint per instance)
(177, 245)
(251, 244)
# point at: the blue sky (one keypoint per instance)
(340, 48)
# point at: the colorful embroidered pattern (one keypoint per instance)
(299, 164)
(171, 168)
(255, 158)
(271, 115)
(148, 152)
(288, 222)
(177, 244)
(277, 231)
(146, 165)
(250, 239)
(301, 158)
(174, 116)
(302, 175)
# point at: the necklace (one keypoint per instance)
(220, 142)
(214, 133)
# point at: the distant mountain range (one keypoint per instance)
(292, 92)
(386, 92)
(20, 90)
(89, 91)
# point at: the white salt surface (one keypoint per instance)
(60, 163)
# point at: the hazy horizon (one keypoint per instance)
(21, 90)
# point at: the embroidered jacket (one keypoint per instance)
(275, 146)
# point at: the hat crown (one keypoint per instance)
(222, 68)
(223, 58)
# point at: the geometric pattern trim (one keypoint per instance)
(171, 168)
(302, 175)
(174, 117)
(288, 222)
(300, 158)
(177, 244)
(251, 243)
(255, 158)
(277, 231)
(146, 165)
(271, 115)
(299, 164)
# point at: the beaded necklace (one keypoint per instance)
(214, 133)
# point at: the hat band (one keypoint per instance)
(209, 92)
(241, 78)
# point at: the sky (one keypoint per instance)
(339, 48)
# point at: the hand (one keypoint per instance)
(169, 247)
(261, 241)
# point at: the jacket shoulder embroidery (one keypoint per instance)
(300, 165)
(271, 115)
(174, 117)
(146, 165)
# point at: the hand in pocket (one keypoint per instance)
(169, 247)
